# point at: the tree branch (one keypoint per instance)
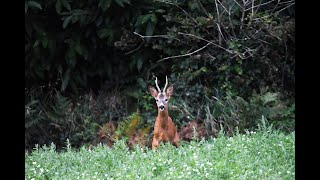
(183, 55)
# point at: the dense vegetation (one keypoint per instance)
(88, 64)
(254, 155)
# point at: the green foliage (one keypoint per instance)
(254, 155)
(207, 48)
(230, 113)
(53, 117)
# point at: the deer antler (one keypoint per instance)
(164, 89)
(157, 85)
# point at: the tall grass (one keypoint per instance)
(263, 154)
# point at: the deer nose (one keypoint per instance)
(161, 107)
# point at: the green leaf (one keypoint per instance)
(78, 49)
(66, 4)
(238, 69)
(160, 11)
(58, 6)
(32, 102)
(99, 21)
(26, 7)
(103, 33)
(66, 22)
(104, 4)
(153, 18)
(65, 80)
(71, 59)
(149, 29)
(45, 42)
(269, 97)
(121, 2)
(79, 12)
(139, 63)
(36, 43)
(34, 4)
(145, 18)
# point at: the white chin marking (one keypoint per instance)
(161, 109)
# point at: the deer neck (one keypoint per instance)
(163, 117)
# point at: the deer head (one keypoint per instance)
(161, 97)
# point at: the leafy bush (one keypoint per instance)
(52, 117)
(236, 113)
(131, 129)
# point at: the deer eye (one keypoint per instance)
(166, 99)
(157, 100)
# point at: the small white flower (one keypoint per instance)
(229, 145)
(34, 162)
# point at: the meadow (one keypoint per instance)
(262, 154)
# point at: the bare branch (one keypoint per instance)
(156, 36)
(183, 55)
(220, 34)
(203, 9)
(225, 9)
(259, 5)
(175, 4)
(134, 49)
(242, 15)
(285, 7)
(286, 2)
(230, 51)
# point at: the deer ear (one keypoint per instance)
(169, 91)
(153, 92)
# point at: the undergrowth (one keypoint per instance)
(263, 154)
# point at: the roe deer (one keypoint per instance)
(164, 129)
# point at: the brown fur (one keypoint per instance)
(164, 128)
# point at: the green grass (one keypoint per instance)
(255, 155)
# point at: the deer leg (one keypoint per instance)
(155, 143)
(176, 140)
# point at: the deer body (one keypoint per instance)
(164, 128)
